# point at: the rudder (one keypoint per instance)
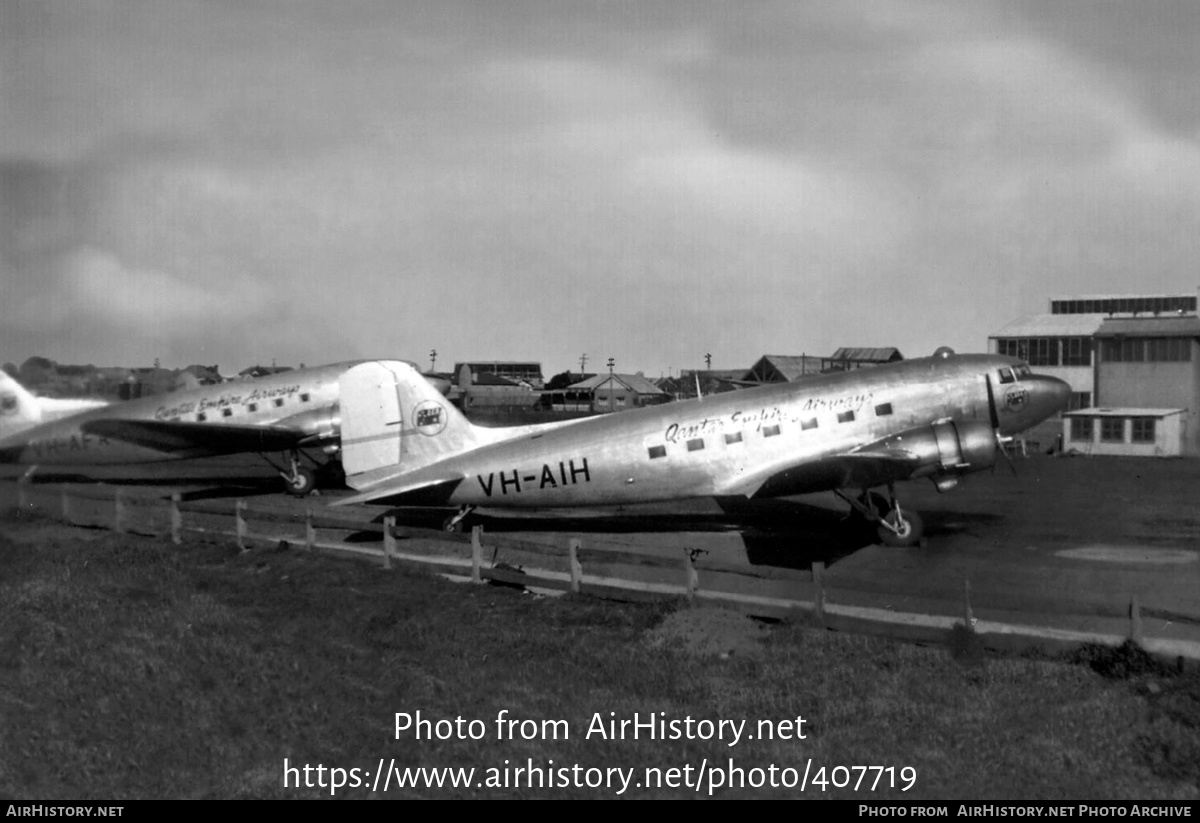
(19, 410)
(392, 416)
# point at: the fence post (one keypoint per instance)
(21, 483)
(576, 566)
(476, 554)
(389, 540)
(176, 519)
(691, 580)
(968, 616)
(66, 506)
(818, 574)
(239, 513)
(1135, 620)
(118, 512)
(310, 532)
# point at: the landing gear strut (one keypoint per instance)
(454, 523)
(894, 526)
(298, 480)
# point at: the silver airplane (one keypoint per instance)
(20, 410)
(293, 414)
(939, 417)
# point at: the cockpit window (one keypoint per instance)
(1023, 371)
(1006, 375)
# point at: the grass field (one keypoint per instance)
(132, 668)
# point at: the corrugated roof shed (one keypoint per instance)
(1150, 327)
(633, 382)
(782, 367)
(867, 355)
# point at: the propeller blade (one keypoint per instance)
(992, 414)
(1001, 443)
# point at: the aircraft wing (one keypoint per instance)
(197, 439)
(855, 469)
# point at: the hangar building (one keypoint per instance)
(1133, 364)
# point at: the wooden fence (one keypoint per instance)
(570, 566)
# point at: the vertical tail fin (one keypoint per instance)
(19, 409)
(392, 416)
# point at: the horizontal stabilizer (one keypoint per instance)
(196, 439)
(412, 492)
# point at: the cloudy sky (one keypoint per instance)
(240, 182)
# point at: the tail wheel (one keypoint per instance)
(901, 529)
(300, 482)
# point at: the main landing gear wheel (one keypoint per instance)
(300, 481)
(901, 529)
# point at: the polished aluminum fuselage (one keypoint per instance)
(730, 444)
(306, 399)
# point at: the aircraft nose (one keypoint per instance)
(1048, 396)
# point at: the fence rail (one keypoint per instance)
(571, 566)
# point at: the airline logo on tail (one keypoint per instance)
(429, 418)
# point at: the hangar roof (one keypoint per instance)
(1187, 326)
(1052, 325)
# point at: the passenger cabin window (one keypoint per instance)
(810, 423)
(696, 444)
(227, 412)
(253, 407)
(770, 431)
(883, 409)
(304, 397)
(658, 451)
(846, 417)
(736, 437)
(278, 401)
(201, 417)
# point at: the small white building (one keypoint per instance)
(1127, 432)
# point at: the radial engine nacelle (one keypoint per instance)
(948, 449)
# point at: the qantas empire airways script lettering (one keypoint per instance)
(756, 419)
(225, 401)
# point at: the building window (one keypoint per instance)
(846, 417)
(1080, 400)
(883, 409)
(1143, 430)
(1146, 350)
(1168, 350)
(1112, 429)
(770, 431)
(736, 437)
(1081, 429)
(658, 451)
(696, 444)
(1077, 351)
